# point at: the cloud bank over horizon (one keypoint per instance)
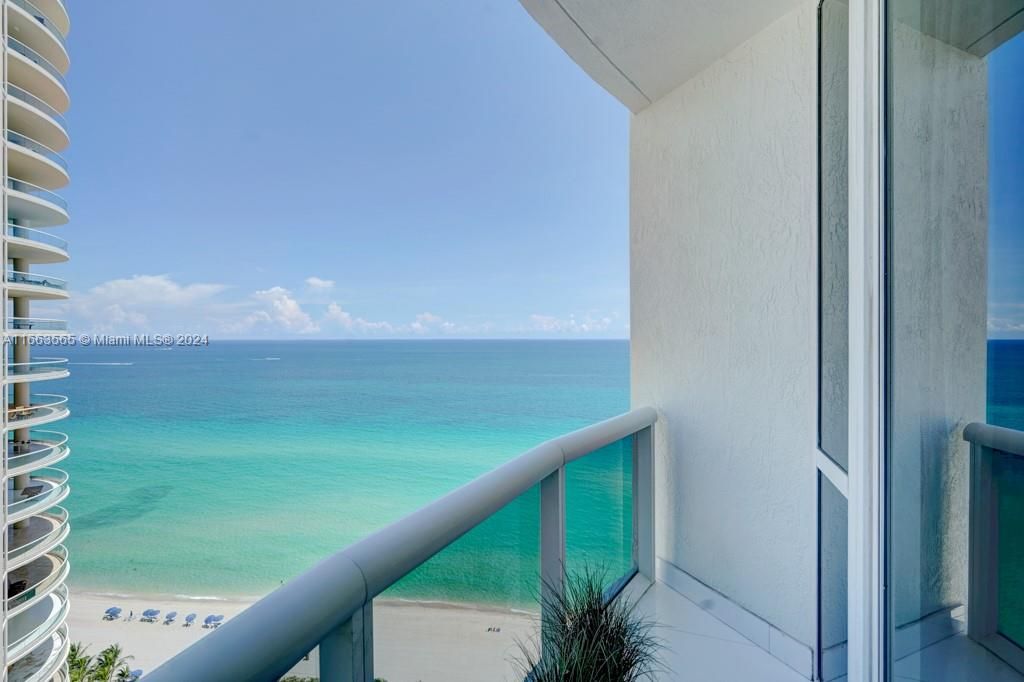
(151, 304)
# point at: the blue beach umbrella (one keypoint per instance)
(135, 674)
(151, 613)
(190, 618)
(113, 611)
(209, 619)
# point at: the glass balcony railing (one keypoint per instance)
(42, 19)
(45, 489)
(36, 280)
(38, 192)
(35, 324)
(28, 98)
(37, 147)
(55, 519)
(44, 572)
(38, 236)
(996, 586)
(45, 662)
(42, 405)
(37, 367)
(49, 624)
(37, 59)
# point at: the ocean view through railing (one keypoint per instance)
(330, 606)
(36, 324)
(996, 570)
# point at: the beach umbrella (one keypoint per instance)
(151, 613)
(136, 674)
(172, 614)
(209, 619)
(190, 618)
(113, 611)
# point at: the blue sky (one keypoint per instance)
(1006, 190)
(343, 169)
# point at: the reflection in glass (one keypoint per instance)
(832, 531)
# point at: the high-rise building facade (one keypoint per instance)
(35, 562)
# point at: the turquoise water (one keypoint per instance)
(225, 470)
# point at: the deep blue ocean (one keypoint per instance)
(225, 470)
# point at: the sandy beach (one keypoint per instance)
(413, 642)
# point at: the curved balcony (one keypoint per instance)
(35, 246)
(33, 624)
(38, 534)
(34, 162)
(43, 663)
(29, 114)
(33, 27)
(37, 369)
(34, 205)
(44, 408)
(35, 285)
(31, 71)
(46, 488)
(29, 583)
(33, 326)
(43, 449)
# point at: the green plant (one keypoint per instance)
(110, 665)
(586, 638)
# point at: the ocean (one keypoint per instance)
(225, 470)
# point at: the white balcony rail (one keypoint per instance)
(30, 99)
(38, 324)
(989, 445)
(37, 147)
(37, 59)
(41, 17)
(38, 192)
(330, 605)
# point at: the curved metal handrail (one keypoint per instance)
(31, 367)
(37, 147)
(30, 99)
(51, 667)
(281, 628)
(38, 236)
(20, 413)
(995, 437)
(37, 280)
(38, 634)
(61, 517)
(38, 192)
(60, 554)
(37, 59)
(41, 17)
(39, 324)
(58, 481)
(38, 452)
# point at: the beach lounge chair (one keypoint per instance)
(190, 620)
(169, 618)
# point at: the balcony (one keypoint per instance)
(39, 369)
(31, 71)
(46, 488)
(43, 409)
(33, 326)
(34, 162)
(32, 625)
(34, 285)
(34, 205)
(44, 449)
(43, 663)
(37, 119)
(39, 534)
(29, 583)
(32, 26)
(35, 246)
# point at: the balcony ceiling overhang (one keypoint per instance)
(640, 50)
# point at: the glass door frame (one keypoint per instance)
(867, 498)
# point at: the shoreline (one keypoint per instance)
(413, 640)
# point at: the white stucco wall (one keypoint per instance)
(723, 318)
(939, 225)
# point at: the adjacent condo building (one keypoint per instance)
(35, 564)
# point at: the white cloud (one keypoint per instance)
(282, 311)
(319, 284)
(587, 324)
(133, 303)
(338, 317)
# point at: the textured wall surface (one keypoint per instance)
(939, 224)
(723, 279)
